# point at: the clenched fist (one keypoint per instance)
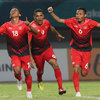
(50, 9)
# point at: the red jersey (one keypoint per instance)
(81, 33)
(17, 38)
(40, 42)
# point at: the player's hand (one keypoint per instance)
(33, 63)
(59, 37)
(27, 22)
(50, 9)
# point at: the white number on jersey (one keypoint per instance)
(42, 32)
(80, 31)
(86, 66)
(15, 33)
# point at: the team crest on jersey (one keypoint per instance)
(20, 28)
(46, 27)
(85, 27)
(75, 26)
(10, 28)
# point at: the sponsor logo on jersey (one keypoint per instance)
(75, 26)
(10, 28)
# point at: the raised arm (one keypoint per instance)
(58, 35)
(50, 10)
(32, 29)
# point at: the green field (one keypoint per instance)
(89, 91)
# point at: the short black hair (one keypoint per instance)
(84, 9)
(37, 10)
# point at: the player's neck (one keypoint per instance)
(81, 21)
(38, 24)
(15, 20)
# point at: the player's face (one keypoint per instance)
(14, 13)
(38, 18)
(80, 16)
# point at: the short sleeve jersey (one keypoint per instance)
(81, 33)
(39, 42)
(17, 38)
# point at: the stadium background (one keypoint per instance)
(64, 9)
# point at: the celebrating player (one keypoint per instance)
(42, 50)
(18, 49)
(81, 43)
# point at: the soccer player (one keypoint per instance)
(17, 46)
(42, 50)
(81, 43)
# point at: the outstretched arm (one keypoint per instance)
(98, 25)
(3, 29)
(32, 29)
(50, 10)
(58, 35)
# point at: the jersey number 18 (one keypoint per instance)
(15, 33)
